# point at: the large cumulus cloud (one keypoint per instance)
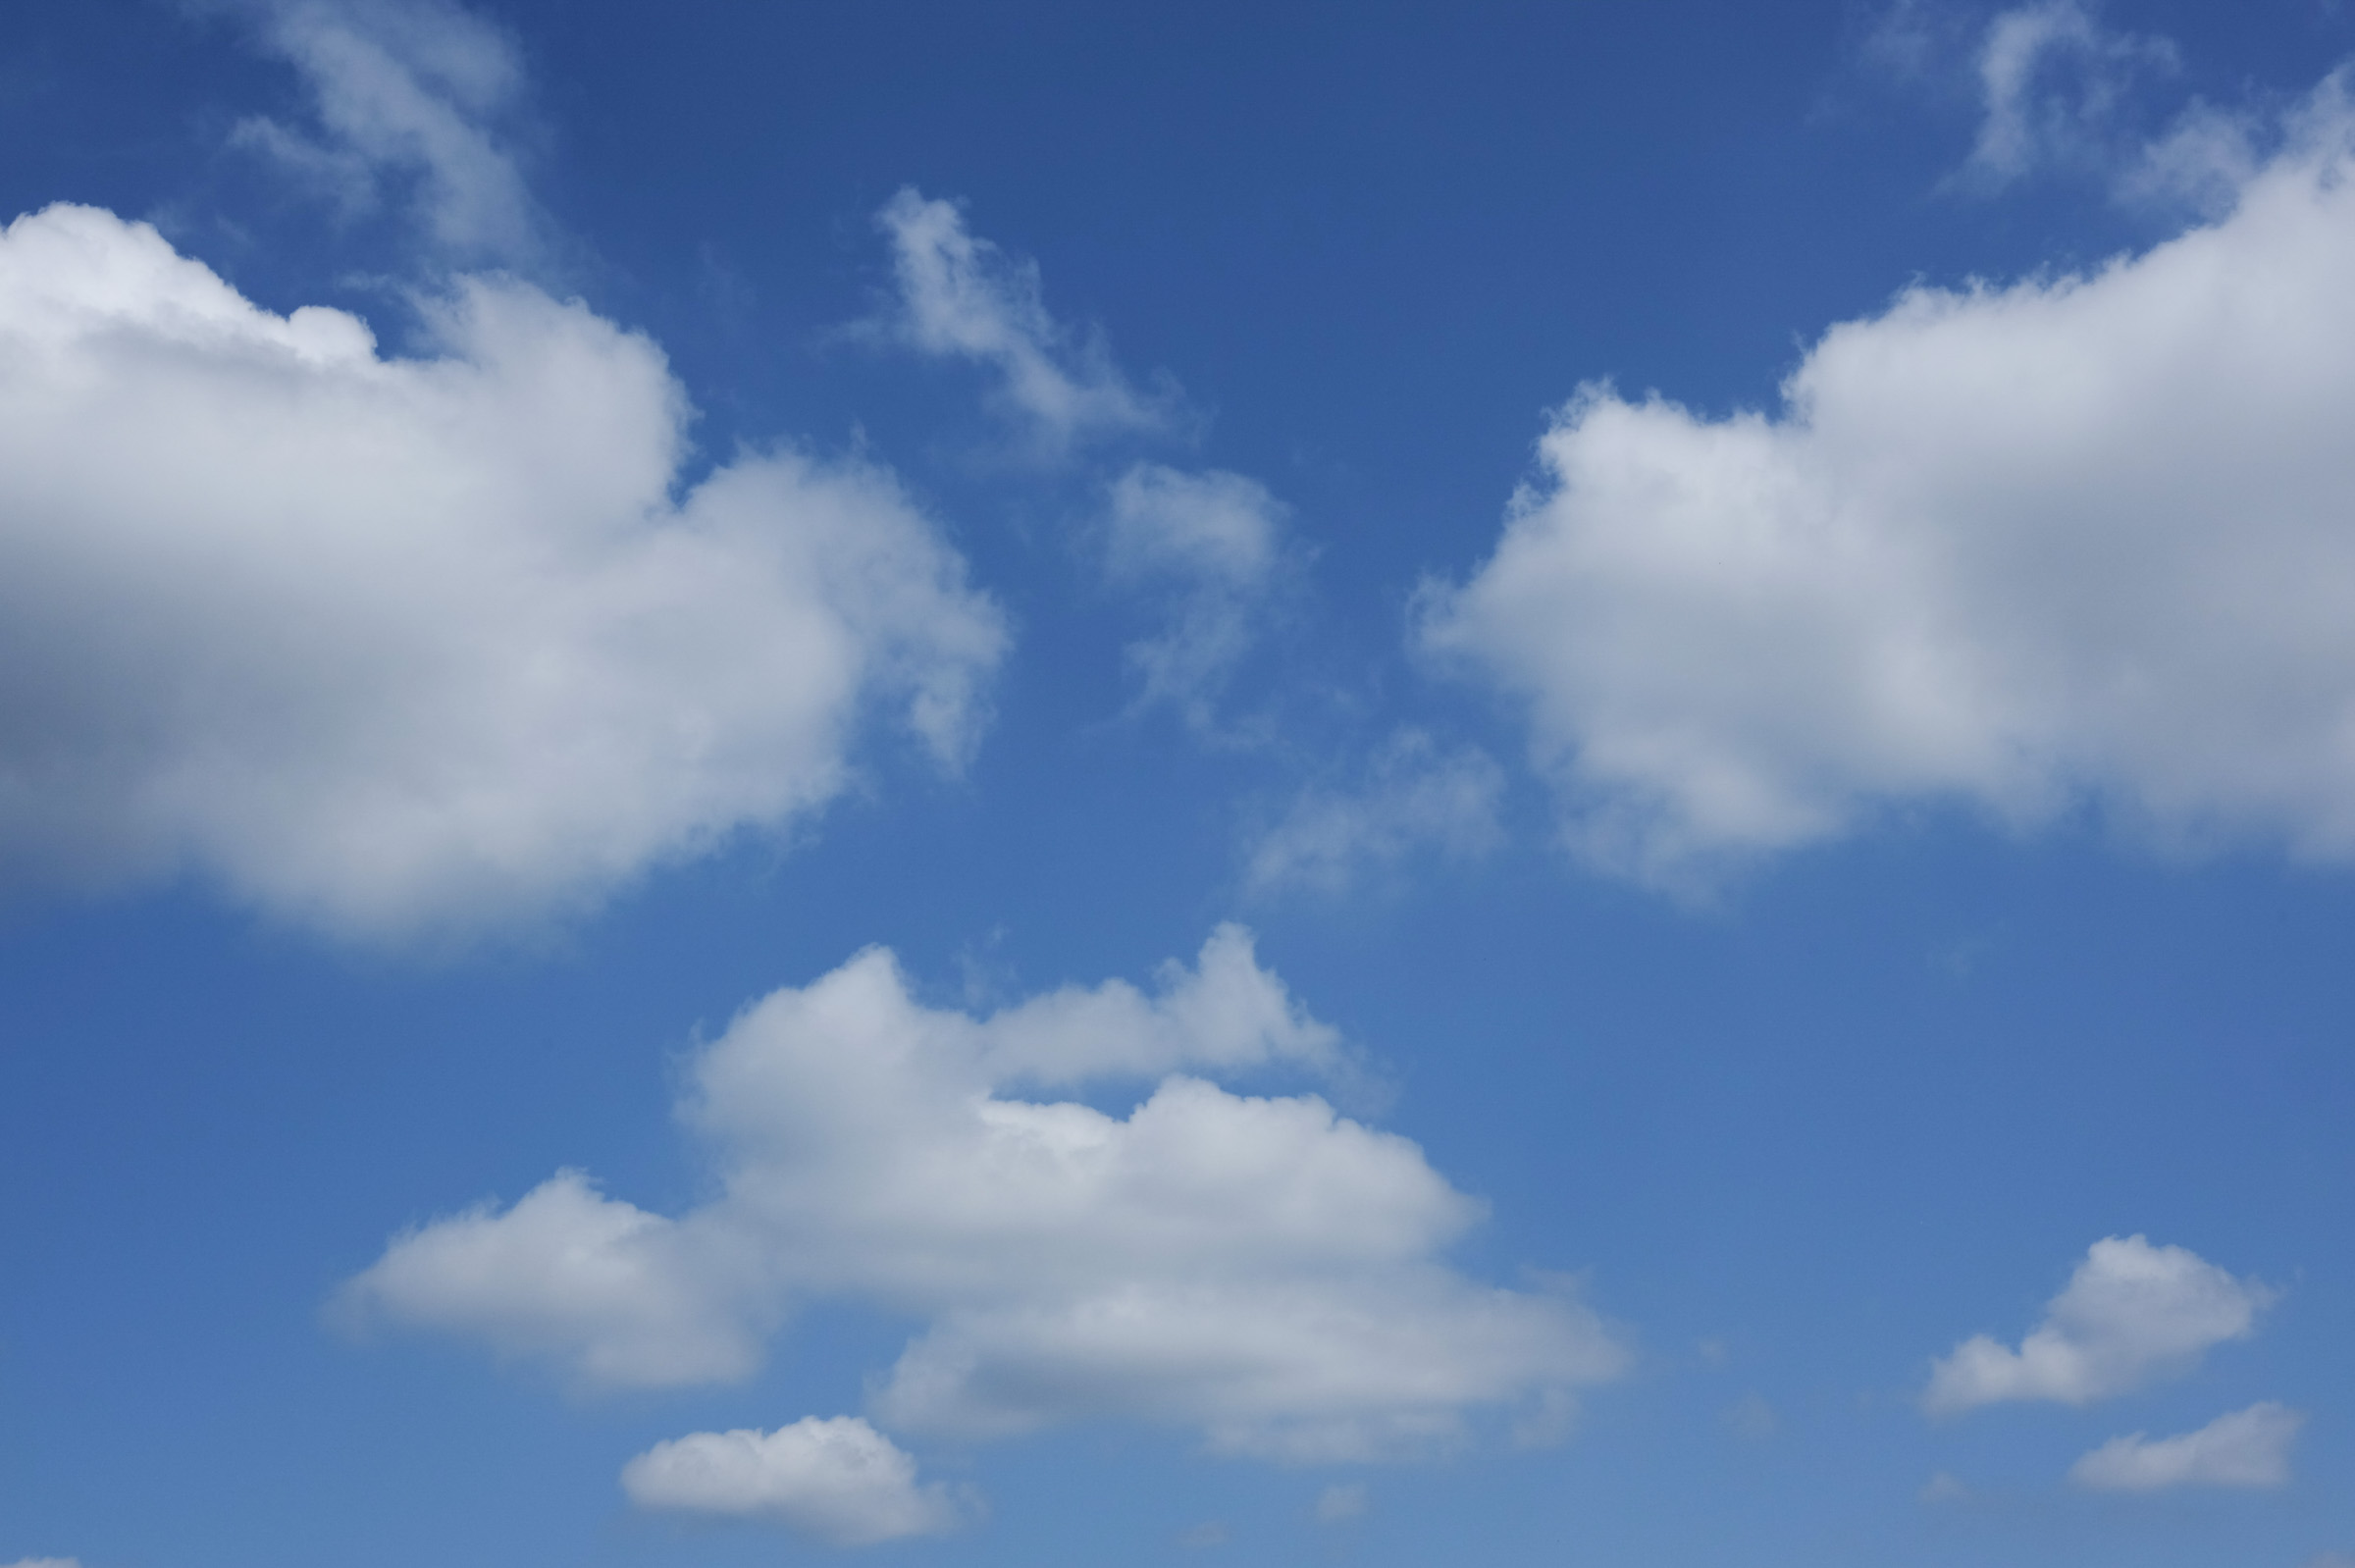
(2082, 538)
(389, 644)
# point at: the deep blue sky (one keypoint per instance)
(1798, 1123)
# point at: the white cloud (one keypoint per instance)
(962, 297)
(1261, 1270)
(839, 1480)
(1417, 795)
(406, 92)
(2131, 1314)
(45, 1562)
(2076, 539)
(397, 644)
(2051, 83)
(2247, 1449)
(1339, 1504)
(1211, 545)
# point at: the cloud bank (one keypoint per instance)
(2131, 1314)
(387, 646)
(2079, 539)
(839, 1480)
(1258, 1268)
(2249, 1448)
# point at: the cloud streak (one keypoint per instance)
(961, 297)
(408, 94)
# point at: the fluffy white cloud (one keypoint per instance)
(839, 1480)
(387, 644)
(1260, 1269)
(1417, 795)
(963, 297)
(2130, 1313)
(406, 93)
(2247, 1449)
(2078, 538)
(1211, 544)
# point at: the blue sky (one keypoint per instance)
(1381, 784)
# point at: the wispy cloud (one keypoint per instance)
(959, 297)
(1416, 796)
(2249, 1448)
(2054, 82)
(1208, 549)
(412, 100)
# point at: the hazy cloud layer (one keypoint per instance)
(1262, 1270)
(2249, 1448)
(387, 644)
(2080, 538)
(962, 297)
(839, 1480)
(2131, 1314)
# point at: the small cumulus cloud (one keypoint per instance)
(2131, 1313)
(2249, 1448)
(1258, 1268)
(838, 1480)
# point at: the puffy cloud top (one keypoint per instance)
(1261, 1268)
(393, 645)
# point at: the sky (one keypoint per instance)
(1315, 785)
